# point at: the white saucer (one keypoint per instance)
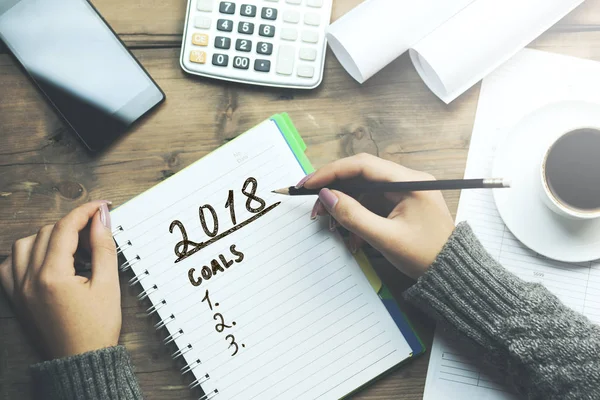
(519, 158)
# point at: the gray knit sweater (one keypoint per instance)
(549, 351)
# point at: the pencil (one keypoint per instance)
(382, 187)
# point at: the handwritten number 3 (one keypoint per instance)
(232, 343)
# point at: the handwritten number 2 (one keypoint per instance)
(179, 252)
(220, 326)
(252, 196)
(232, 343)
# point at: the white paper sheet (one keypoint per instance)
(527, 82)
(453, 44)
(307, 322)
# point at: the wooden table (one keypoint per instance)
(45, 172)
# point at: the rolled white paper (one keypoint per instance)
(453, 44)
(480, 38)
(376, 32)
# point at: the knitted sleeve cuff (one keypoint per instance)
(100, 374)
(467, 289)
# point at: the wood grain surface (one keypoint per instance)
(45, 171)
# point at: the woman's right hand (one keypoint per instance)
(415, 230)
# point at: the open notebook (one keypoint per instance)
(261, 302)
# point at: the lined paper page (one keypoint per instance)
(529, 81)
(278, 290)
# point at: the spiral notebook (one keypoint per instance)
(260, 301)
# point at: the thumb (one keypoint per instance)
(103, 249)
(353, 216)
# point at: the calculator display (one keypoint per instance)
(81, 66)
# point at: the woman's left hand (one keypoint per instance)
(67, 314)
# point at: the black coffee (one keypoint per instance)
(573, 169)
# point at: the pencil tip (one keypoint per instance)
(282, 191)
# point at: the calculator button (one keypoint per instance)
(310, 36)
(225, 25)
(289, 34)
(264, 48)
(269, 13)
(227, 7)
(248, 10)
(241, 62)
(222, 42)
(220, 60)
(306, 71)
(262, 65)
(246, 27)
(293, 17)
(293, 1)
(266, 30)
(285, 60)
(200, 39)
(308, 54)
(243, 45)
(202, 22)
(314, 3)
(204, 5)
(313, 19)
(198, 57)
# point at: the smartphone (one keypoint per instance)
(81, 66)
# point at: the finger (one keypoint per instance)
(21, 254)
(321, 211)
(355, 217)
(364, 166)
(104, 251)
(6, 278)
(355, 242)
(40, 247)
(65, 238)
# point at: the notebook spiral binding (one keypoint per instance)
(127, 244)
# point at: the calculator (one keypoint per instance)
(277, 43)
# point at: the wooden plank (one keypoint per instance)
(46, 172)
(155, 23)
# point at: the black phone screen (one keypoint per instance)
(80, 65)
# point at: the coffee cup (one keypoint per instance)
(570, 174)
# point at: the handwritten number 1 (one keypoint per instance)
(232, 343)
(230, 204)
(207, 299)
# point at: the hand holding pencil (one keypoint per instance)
(410, 236)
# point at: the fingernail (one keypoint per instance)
(328, 199)
(105, 216)
(303, 181)
(315, 209)
(332, 224)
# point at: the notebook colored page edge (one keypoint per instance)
(298, 148)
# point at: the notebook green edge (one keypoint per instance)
(298, 147)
